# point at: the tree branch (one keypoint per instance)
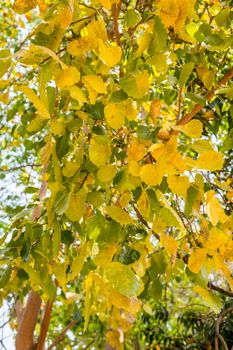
(62, 334)
(115, 14)
(27, 324)
(218, 336)
(45, 325)
(20, 167)
(209, 96)
(220, 290)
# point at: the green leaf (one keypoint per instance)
(42, 109)
(196, 98)
(119, 215)
(159, 42)
(185, 73)
(132, 17)
(190, 200)
(62, 203)
(123, 279)
(5, 61)
(5, 277)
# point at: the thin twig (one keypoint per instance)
(20, 167)
(62, 334)
(209, 96)
(218, 336)
(83, 19)
(220, 290)
(179, 103)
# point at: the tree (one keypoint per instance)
(121, 112)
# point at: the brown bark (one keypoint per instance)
(209, 96)
(27, 323)
(44, 325)
(28, 316)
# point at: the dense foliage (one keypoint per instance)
(116, 161)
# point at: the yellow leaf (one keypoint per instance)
(134, 168)
(136, 85)
(105, 256)
(70, 169)
(46, 152)
(136, 150)
(174, 12)
(119, 215)
(211, 299)
(113, 336)
(23, 6)
(68, 77)
(57, 127)
(162, 198)
(178, 184)
(214, 209)
(131, 111)
(143, 204)
(96, 83)
(150, 175)
(114, 115)
(110, 55)
(80, 46)
(78, 262)
(77, 94)
(192, 129)
(99, 153)
(60, 273)
(106, 3)
(76, 207)
(42, 110)
(197, 259)
(97, 30)
(209, 160)
(106, 172)
(155, 110)
(169, 243)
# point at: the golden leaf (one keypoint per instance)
(169, 243)
(209, 160)
(76, 207)
(57, 127)
(150, 174)
(70, 169)
(197, 259)
(42, 109)
(106, 172)
(119, 215)
(99, 153)
(178, 184)
(192, 129)
(214, 209)
(114, 115)
(143, 204)
(110, 55)
(67, 77)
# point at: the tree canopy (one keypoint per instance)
(115, 175)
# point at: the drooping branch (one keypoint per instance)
(62, 334)
(27, 324)
(218, 336)
(209, 96)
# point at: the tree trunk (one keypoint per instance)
(27, 322)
